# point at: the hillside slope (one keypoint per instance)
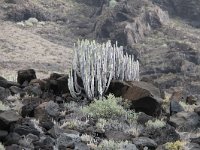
(21, 49)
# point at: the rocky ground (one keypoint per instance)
(36, 108)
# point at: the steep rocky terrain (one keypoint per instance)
(162, 34)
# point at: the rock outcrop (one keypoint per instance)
(128, 22)
(144, 96)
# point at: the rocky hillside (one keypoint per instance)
(162, 34)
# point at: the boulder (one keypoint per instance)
(14, 147)
(193, 146)
(25, 126)
(40, 145)
(67, 140)
(58, 83)
(47, 143)
(55, 76)
(178, 95)
(144, 96)
(39, 82)
(3, 134)
(161, 135)
(46, 124)
(32, 137)
(33, 90)
(185, 121)
(40, 112)
(191, 100)
(129, 147)
(175, 107)
(28, 100)
(25, 75)
(117, 135)
(197, 110)
(26, 145)
(52, 109)
(195, 140)
(81, 146)
(143, 118)
(55, 131)
(62, 83)
(12, 138)
(4, 93)
(28, 109)
(6, 84)
(144, 142)
(7, 118)
(16, 90)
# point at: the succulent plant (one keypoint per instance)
(96, 65)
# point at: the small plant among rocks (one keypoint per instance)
(186, 107)
(111, 145)
(92, 146)
(131, 116)
(86, 138)
(73, 123)
(134, 130)
(110, 124)
(90, 141)
(72, 106)
(3, 107)
(155, 124)
(36, 125)
(101, 124)
(105, 108)
(112, 3)
(178, 145)
(10, 77)
(30, 22)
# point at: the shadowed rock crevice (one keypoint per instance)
(144, 97)
(148, 105)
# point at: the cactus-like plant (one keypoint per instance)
(96, 65)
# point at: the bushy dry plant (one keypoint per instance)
(111, 145)
(105, 108)
(155, 124)
(178, 145)
(3, 107)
